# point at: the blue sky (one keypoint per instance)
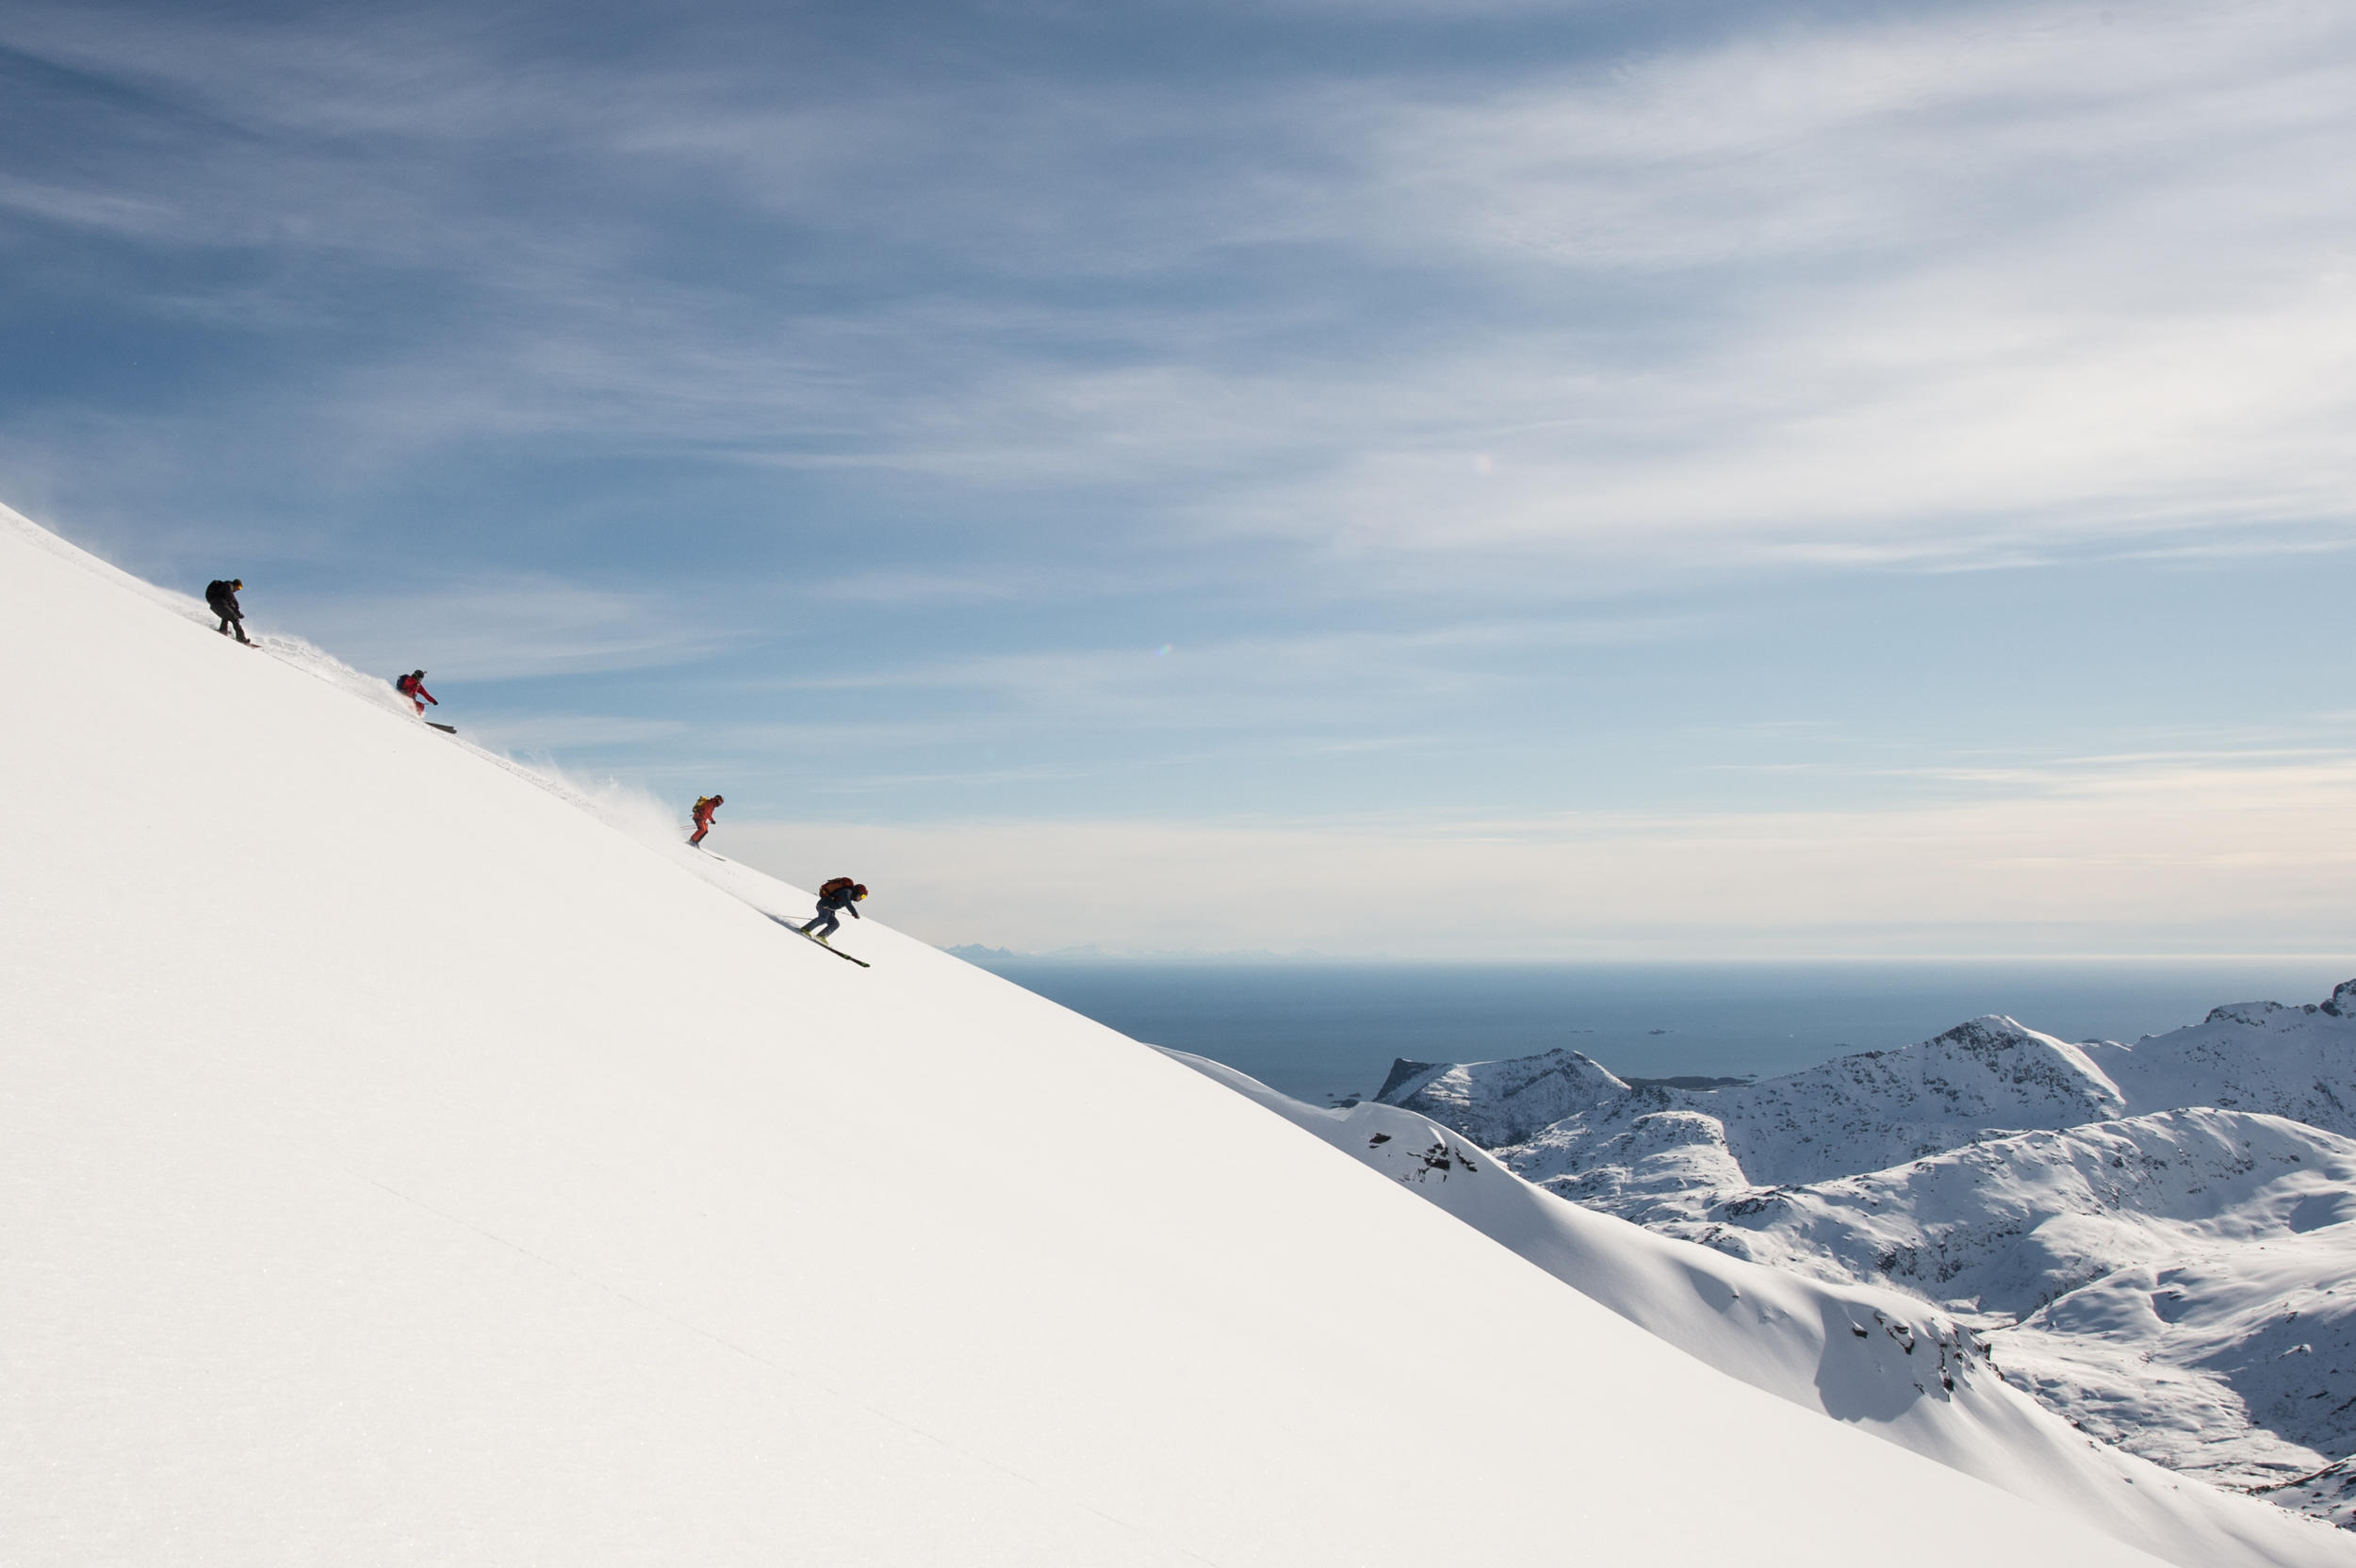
(1579, 480)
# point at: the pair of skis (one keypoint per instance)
(821, 942)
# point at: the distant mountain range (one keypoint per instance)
(2159, 1239)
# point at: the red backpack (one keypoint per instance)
(834, 885)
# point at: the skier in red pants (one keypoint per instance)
(705, 805)
(413, 687)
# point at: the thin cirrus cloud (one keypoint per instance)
(518, 628)
(1861, 269)
(1944, 336)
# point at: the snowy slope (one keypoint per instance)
(2235, 1361)
(1891, 1365)
(2197, 1261)
(399, 1165)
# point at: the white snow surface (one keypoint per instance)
(398, 1164)
(2012, 1224)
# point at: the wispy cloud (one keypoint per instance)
(481, 629)
(85, 208)
(1906, 290)
(1303, 681)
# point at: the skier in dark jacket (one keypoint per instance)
(705, 805)
(413, 687)
(222, 597)
(839, 894)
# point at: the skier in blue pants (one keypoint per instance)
(836, 894)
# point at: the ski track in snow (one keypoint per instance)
(401, 1161)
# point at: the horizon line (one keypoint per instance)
(1306, 956)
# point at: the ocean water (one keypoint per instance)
(1320, 1032)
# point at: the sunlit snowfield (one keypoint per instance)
(1325, 1030)
(406, 1163)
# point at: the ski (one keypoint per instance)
(445, 728)
(829, 946)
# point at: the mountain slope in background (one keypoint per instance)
(1496, 1103)
(1855, 1113)
(2174, 1280)
(2293, 1061)
(2233, 1358)
(2015, 1223)
(402, 1165)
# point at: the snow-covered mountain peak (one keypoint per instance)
(2297, 1061)
(1503, 1102)
(1982, 1078)
(2047, 1070)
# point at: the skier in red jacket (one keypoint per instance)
(705, 805)
(413, 687)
